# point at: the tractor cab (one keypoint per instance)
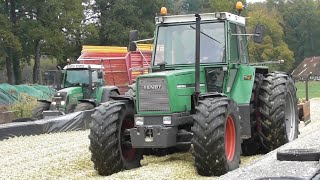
(79, 81)
(82, 75)
(175, 40)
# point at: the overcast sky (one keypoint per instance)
(253, 1)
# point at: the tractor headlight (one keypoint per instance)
(63, 103)
(54, 103)
(138, 121)
(166, 120)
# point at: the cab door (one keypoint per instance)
(241, 75)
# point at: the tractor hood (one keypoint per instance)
(70, 90)
(169, 73)
(178, 78)
(70, 94)
(177, 88)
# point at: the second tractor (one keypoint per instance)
(82, 88)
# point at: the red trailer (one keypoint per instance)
(120, 66)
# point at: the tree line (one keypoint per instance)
(58, 28)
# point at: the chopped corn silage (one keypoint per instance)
(67, 156)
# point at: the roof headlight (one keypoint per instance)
(220, 16)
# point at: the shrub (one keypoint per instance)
(23, 107)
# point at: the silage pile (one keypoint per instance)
(66, 155)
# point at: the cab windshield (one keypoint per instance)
(176, 44)
(80, 77)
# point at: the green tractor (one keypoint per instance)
(83, 88)
(202, 94)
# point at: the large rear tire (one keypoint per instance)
(216, 136)
(37, 112)
(83, 106)
(110, 144)
(278, 110)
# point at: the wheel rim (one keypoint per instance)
(128, 153)
(290, 117)
(230, 138)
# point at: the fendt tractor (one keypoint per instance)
(82, 88)
(202, 93)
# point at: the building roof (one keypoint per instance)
(311, 64)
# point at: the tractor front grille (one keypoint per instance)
(153, 94)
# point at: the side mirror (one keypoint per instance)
(258, 34)
(100, 75)
(133, 36)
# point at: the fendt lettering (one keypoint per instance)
(152, 87)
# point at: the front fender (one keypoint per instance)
(45, 101)
(91, 101)
(106, 92)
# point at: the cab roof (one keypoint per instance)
(204, 17)
(83, 66)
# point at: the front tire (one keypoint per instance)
(279, 111)
(37, 112)
(216, 136)
(110, 144)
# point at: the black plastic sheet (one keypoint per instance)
(70, 122)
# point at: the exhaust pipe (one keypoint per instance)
(197, 59)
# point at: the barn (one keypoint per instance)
(307, 66)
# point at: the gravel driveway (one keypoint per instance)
(66, 155)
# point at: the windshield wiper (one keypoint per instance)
(206, 35)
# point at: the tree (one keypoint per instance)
(117, 18)
(273, 47)
(301, 20)
(46, 27)
(10, 43)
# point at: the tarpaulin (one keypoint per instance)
(70, 122)
(10, 93)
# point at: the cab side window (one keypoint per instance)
(243, 44)
(234, 49)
